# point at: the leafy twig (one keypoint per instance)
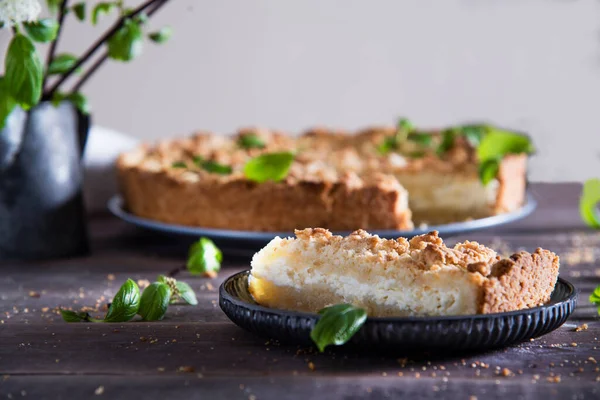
(88, 54)
(52, 50)
(84, 78)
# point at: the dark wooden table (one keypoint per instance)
(196, 352)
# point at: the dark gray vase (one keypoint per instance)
(42, 214)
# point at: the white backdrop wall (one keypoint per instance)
(528, 64)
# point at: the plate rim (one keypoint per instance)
(570, 298)
(116, 207)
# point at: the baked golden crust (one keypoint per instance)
(338, 180)
(421, 276)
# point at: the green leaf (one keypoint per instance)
(498, 143)
(212, 166)
(337, 325)
(61, 63)
(43, 30)
(186, 293)
(102, 8)
(595, 296)
(7, 103)
(588, 203)
(162, 35)
(53, 5)
(72, 316)
(447, 142)
(79, 10)
(269, 167)
(422, 139)
(126, 44)
(155, 301)
(78, 100)
(389, 143)
(179, 164)
(251, 141)
(474, 134)
(23, 71)
(488, 170)
(125, 304)
(204, 257)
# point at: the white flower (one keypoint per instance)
(17, 11)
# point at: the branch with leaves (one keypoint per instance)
(204, 258)
(26, 79)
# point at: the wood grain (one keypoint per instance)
(197, 352)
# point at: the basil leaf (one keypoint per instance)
(7, 103)
(422, 139)
(216, 168)
(125, 304)
(498, 143)
(337, 325)
(388, 144)
(126, 43)
(155, 301)
(595, 296)
(72, 316)
(78, 100)
(447, 142)
(212, 166)
(251, 141)
(23, 71)
(405, 125)
(43, 30)
(269, 167)
(179, 164)
(474, 134)
(79, 10)
(588, 203)
(186, 293)
(403, 130)
(488, 170)
(162, 35)
(61, 63)
(102, 8)
(204, 257)
(53, 5)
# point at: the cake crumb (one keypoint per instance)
(110, 277)
(582, 327)
(507, 372)
(99, 391)
(573, 344)
(553, 379)
(34, 294)
(311, 366)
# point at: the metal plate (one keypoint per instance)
(116, 206)
(464, 332)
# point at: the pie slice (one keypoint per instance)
(420, 277)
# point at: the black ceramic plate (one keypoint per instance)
(260, 239)
(471, 332)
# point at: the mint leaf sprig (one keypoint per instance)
(337, 325)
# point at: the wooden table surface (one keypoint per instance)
(196, 352)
